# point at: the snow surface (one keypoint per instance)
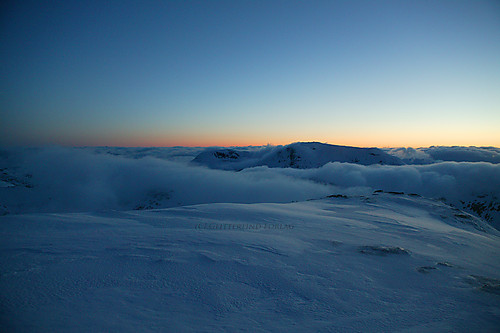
(379, 263)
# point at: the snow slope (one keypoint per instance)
(300, 155)
(379, 263)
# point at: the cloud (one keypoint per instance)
(77, 179)
(411, 155)
(181, 154)
(65, 179)
(453, 180)
(464, 154)
(440, 154)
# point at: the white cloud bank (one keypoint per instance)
(76, 180)
(439, 154)
(452, 180)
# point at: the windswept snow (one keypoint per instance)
(378, 263)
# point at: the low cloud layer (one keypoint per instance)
(452, 180)
(439, 154)
(75, 180)
(64, 179)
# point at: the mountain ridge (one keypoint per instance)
(299, 155)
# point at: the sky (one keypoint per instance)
(237, 73)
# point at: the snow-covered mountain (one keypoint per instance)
(300, 155)
(379, 263)
(305, 155)
(227, 158)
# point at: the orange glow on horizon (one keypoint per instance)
(345, 137)
(228, 141)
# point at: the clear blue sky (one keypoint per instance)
(153, 73)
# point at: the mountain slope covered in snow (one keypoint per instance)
(379, 263)
(300, 155)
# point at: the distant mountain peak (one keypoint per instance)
(300, 155)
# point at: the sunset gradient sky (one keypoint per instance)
(202, 73)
